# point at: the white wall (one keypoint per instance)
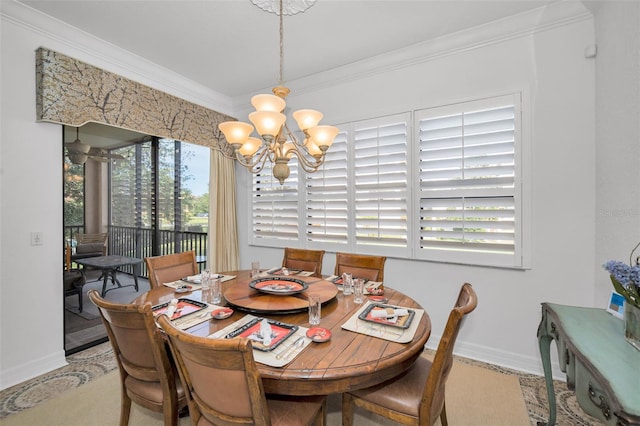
(618, 136)
(549, 65)
(31, 306)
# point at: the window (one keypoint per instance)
(467, 181)
(327, 197)
(275, 207)
(380, 182)
(440, 184)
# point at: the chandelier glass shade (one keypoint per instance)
(277, 143)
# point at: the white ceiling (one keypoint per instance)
(232, 46)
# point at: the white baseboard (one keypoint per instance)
(525, 364)
(34, 368)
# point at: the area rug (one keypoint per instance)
(475, 396)
(114, 294)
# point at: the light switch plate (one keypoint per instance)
(36, 238)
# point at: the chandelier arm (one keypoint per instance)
(307, 164)
(292, 136)
(225, 152)
(251, 165)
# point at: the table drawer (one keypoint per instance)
(592, 397)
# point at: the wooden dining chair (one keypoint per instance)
(361, 266)
(417, 396)
(170, 267)
(306, 260)
(147, 375)
(223, 384)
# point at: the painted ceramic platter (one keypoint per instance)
(282, 286)
(319, 334)
(184, 307)
(252, 331)
(398, 321)
(222, 313)
(378, 299)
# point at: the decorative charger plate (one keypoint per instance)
(283, 286)
(185, 307)
(279, 333)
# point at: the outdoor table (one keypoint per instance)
(109, 266)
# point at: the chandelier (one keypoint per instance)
(277, 143)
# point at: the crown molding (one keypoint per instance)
(90, 49)
(525, 24)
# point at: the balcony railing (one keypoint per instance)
(138, 242)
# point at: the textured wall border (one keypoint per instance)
(73, 93)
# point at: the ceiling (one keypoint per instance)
(232, 46)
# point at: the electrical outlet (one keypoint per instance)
(36, 238)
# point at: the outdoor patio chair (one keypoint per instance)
(90, 245)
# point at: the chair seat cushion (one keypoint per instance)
(301, 412)
(151, 392)
(73, 280)
(90, 248)
(403, 393)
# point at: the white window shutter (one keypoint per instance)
(467, 176)
(274, 206)
(380, 170)
(327, 197)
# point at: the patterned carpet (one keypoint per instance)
(92, 363)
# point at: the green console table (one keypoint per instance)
(601, 367)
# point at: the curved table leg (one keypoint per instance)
(544, 344)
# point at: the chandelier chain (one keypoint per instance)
(281, 81)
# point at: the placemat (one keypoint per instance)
(384, 331)
(292, 272)
(197, 286)
(289, 347)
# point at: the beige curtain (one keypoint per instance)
(223, 232)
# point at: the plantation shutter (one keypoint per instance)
(274, 206)
(380, 181)
(326, 197)
(467, 176)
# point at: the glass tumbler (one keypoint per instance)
(255, 268)
(347, 284)
(205, 282)
(315, 307)
(358, 290)
(216, 290)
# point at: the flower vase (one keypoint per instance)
(632, 324)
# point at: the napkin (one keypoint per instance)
(389, 313)
(171, 309)
(193, 278)
(265, 332)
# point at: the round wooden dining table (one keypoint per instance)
(347, 361)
